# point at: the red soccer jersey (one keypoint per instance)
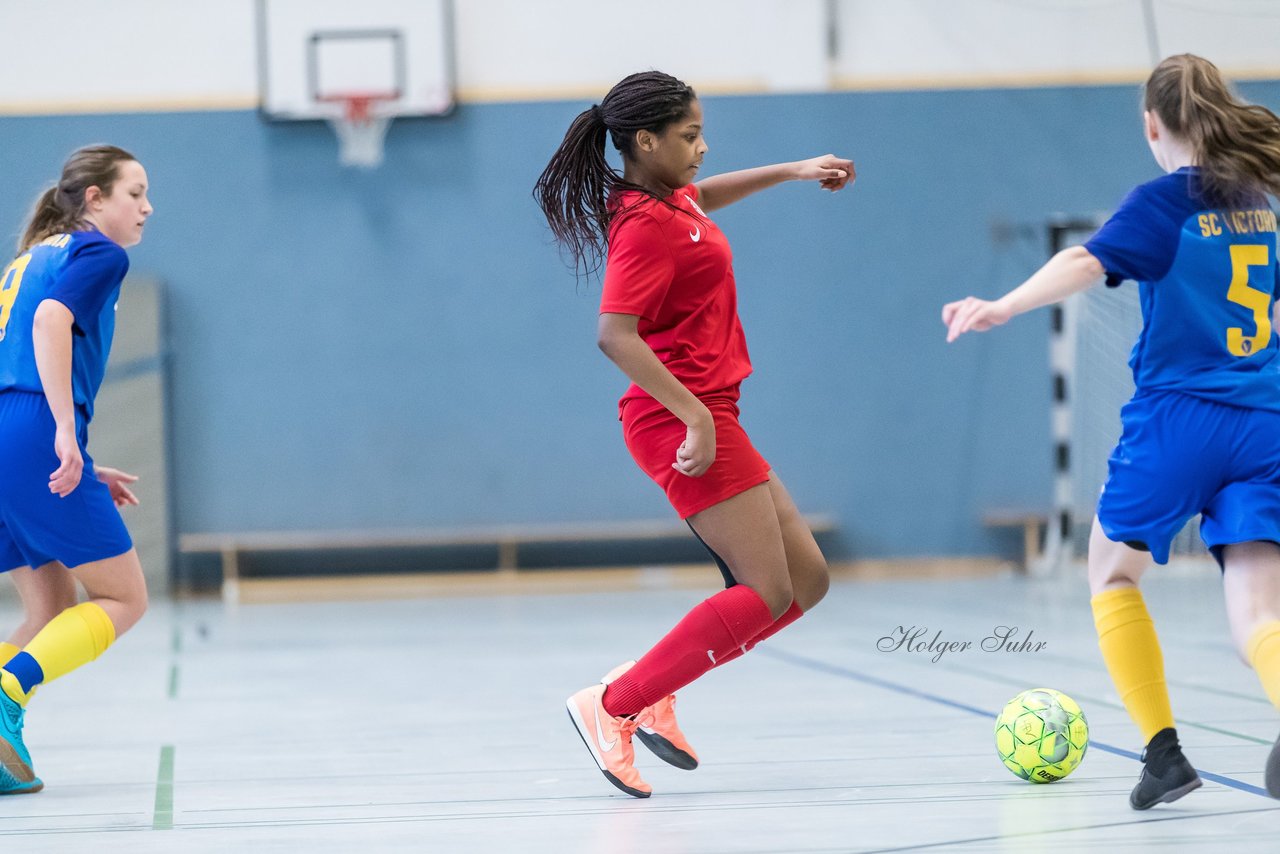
(671, 266)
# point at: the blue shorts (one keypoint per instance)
(36, 526)
(1181, 455)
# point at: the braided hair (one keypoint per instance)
(575, 189)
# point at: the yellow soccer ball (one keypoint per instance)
(1041, 735)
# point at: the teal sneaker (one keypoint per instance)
(15, 760)
(24, 788)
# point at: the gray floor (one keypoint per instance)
(439, 724)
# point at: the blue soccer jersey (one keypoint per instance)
(83, 271)
(1207, 279)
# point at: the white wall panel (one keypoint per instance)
(1239, 35)
(75, 55)
(510, 48)
(70, 55)
(934, 40)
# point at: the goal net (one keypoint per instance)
(1094, 334)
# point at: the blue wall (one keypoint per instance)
(405, 347)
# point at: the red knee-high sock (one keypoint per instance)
(708, 633)
(793, 613)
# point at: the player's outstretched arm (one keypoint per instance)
(831, 172)
(1070, 271)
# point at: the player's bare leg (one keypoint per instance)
(75, 636)
(806, 565)
(1251, 584)
(45, 593)
(745, 531)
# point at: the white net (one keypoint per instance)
(361, 132)
(360, 141)
(1106, 325)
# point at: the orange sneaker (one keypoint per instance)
(609, 740)
(657, 729)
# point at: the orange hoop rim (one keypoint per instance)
(356, 106)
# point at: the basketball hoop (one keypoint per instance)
(360, 129)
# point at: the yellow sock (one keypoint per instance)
(7, 651)
(76, 636)
(1131, 651)
(1264, 655)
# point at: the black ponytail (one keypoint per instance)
(575, 189)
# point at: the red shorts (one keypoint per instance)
(653, 434)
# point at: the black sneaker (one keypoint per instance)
(1272, 776)
(1166, 773)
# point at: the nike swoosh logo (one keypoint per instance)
(696, 234)
(605, 746)
(711, 655)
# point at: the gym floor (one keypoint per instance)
(438, 723)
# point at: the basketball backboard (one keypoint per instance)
(315, 55)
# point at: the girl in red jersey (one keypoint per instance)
(669, 320)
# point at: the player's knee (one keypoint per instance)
(40, 614)
(814, 587)
(139, 606)
(778, 596)
(1105, 577)
(1115, 563)
(130, 609)
(1099, 582)
(1115, 568)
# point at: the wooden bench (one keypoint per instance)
(1033, 524)
(507, 538)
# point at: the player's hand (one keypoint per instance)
(115, 481)
(831, 172)
(66, 477)
(698, 451)
(973, 315)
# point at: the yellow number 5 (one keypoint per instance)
(1242, 258)
(10, 281)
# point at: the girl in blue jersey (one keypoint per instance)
(58, 518)
(1202, 432)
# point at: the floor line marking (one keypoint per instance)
(162, 818)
